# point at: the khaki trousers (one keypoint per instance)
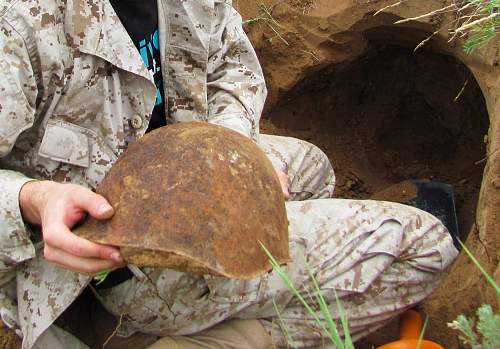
(232, 334)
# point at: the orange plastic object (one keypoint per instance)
(409, 332)
(410, 325)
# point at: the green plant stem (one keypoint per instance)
(101, 276)
(480, 267)
(331, 331)
(421, 336)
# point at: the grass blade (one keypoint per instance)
(332, 326)
(421, 336)
(326, 312)
(480, 267)
(296, 292)
(283, 327)
(101, 276)
(345, 324)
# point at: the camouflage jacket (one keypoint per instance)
(75, 93)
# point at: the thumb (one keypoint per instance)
(96, 205)
(283, 178)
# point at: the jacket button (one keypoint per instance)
(136, 122)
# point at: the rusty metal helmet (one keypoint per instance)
(194, 197)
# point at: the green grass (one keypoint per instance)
(422, 332)
(283, 326)
(328, 326)
(267, 18)
(481, 25)
(480, 267)
(101, 276)
(477, 21)
(483, 332)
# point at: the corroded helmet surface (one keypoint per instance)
(194, 197)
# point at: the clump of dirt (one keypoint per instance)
(392, 115)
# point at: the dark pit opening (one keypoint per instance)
(392, 115)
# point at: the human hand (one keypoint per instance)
(283, 178)
(57, 208)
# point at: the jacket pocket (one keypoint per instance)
(65, 142)
(81, 147)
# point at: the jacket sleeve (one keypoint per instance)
(236, 85)
(18, 92)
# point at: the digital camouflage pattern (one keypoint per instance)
(75, 94)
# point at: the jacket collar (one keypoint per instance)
(94, 28)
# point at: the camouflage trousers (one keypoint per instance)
(380, 259)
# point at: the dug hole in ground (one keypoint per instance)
(351, 83)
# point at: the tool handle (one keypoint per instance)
(410, 325)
